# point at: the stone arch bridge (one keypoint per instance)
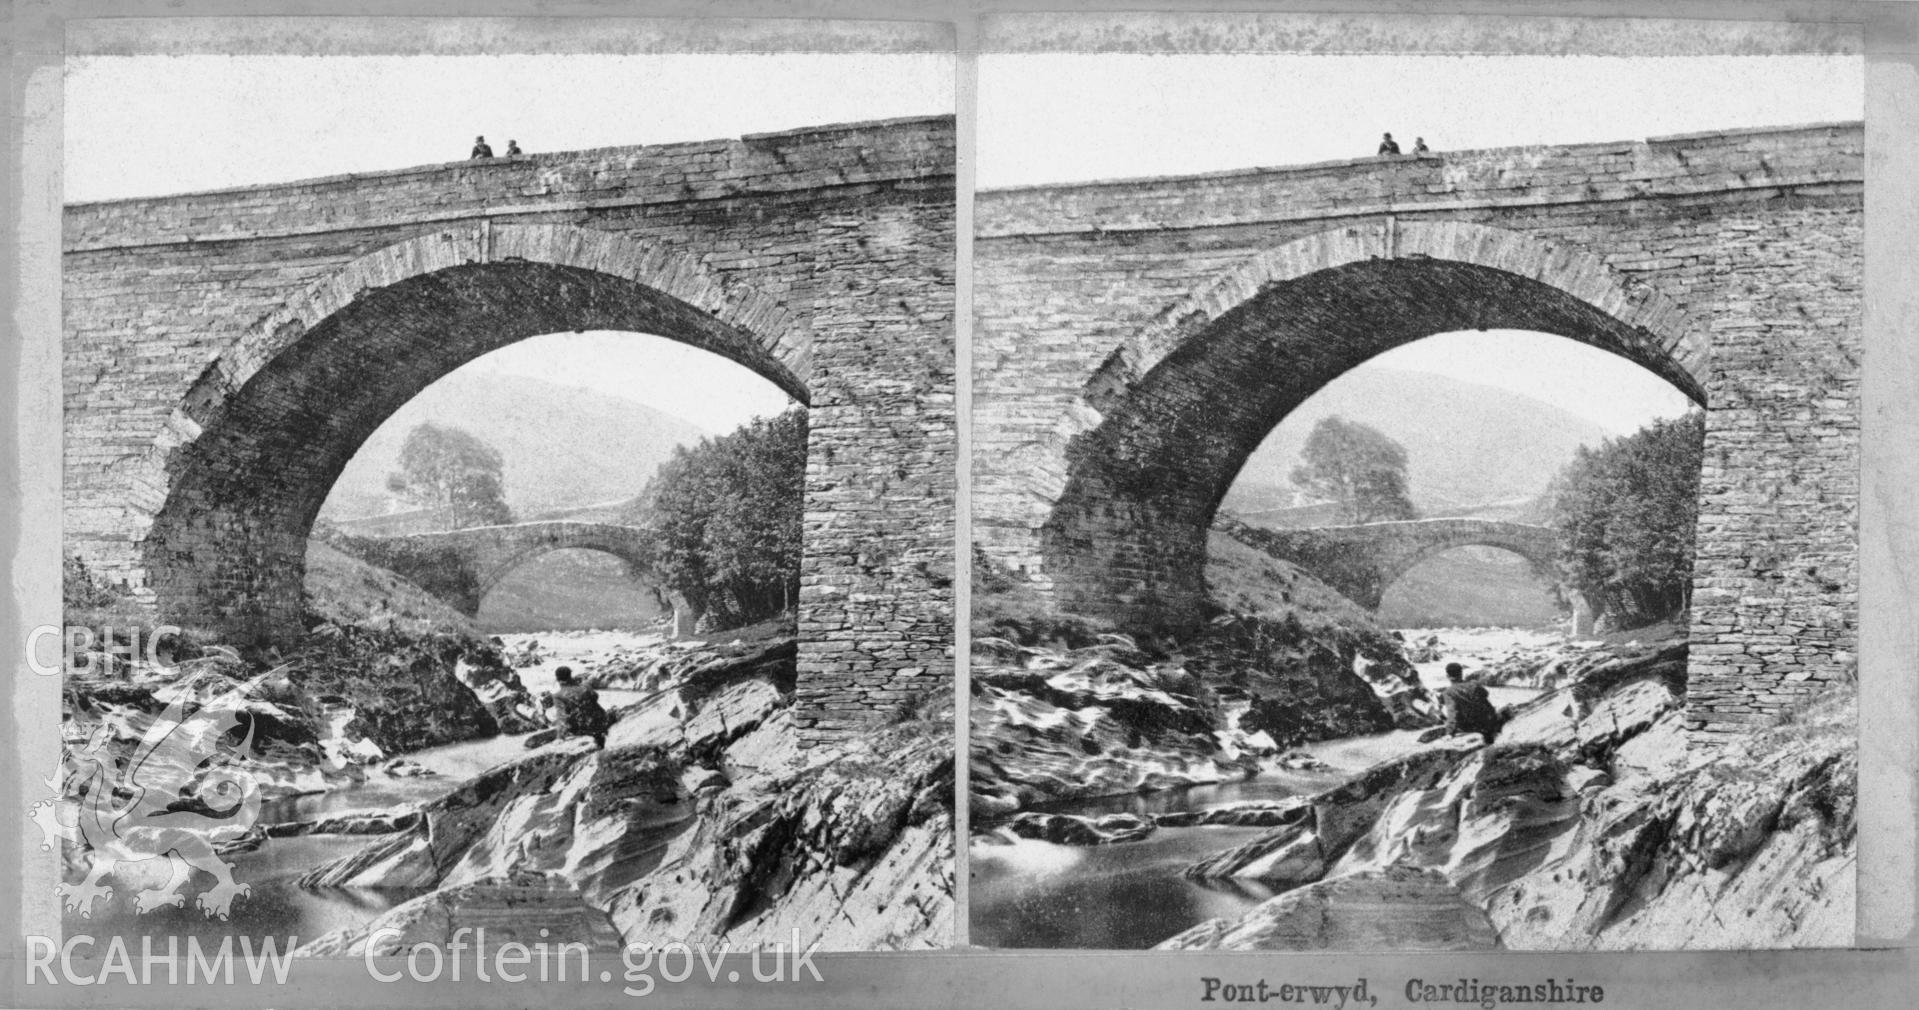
(227, 352)
(462, 566)
(1135, 341)
(1364, 560)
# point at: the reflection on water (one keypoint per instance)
(275, 907)
(1114, 897)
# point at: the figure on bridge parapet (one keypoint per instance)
(513, 149)
(481, 149)
(1387, 145)
(1419, 148)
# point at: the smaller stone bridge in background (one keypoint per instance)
(1361, 562)
(463, 566)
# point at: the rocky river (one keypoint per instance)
(1590, 824)
(702, 819)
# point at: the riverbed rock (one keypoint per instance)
(1752, 843)
(1257, 814)
(1321, 827)
(1397, 909)
(853, 849)
(1068, 829)
(1495, 817)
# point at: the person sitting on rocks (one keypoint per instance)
(1468, 708)
(1387, 145)
(577, 710)
(481, 149)
(1420, 149)
(513, 149)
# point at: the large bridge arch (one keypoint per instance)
(823, 257)
(1183, 402)
(1745, 246)
(279, 414)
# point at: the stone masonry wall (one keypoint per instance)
(1754, 236)
(828, 246)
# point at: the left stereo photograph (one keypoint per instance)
(524, 503)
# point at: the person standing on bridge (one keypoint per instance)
(1468, 708)
(481, 149)
(576, 709)
(513, 149)
(1420, 149)
(1387, 145)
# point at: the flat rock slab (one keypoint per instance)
(1399, 909)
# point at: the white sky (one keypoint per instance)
(144, 126)
(1078, 117)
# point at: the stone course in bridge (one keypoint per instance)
(227, 352)
(1135, 341)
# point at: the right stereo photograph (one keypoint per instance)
(1414, 502)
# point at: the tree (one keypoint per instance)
(727, 517)
(1356, 467)
(453, 469)
(1626, 514)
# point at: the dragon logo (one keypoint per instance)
(165, 800)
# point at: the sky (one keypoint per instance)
(1077, 117)
(154, 125)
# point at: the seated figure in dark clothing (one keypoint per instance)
(576, 708)
(1468, 708)
(482, 149)
(1387, 145)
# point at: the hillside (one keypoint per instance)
(568, 590)
(1466, 444)
(564, 447)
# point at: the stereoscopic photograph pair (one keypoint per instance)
(1399, 501)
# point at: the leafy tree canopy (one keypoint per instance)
(1357, 467)
(1626, 512)
(727, 514)
(453, 469)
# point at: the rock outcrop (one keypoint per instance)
(1093, 713)
(701, 820)
(1396, 909)
(1593, 825)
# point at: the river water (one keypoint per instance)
(1131, 896)
(276, 906)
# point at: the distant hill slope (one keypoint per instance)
(1466, 444)
(563, 447)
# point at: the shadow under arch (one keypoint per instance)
(273, 421)
(1185, 401)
